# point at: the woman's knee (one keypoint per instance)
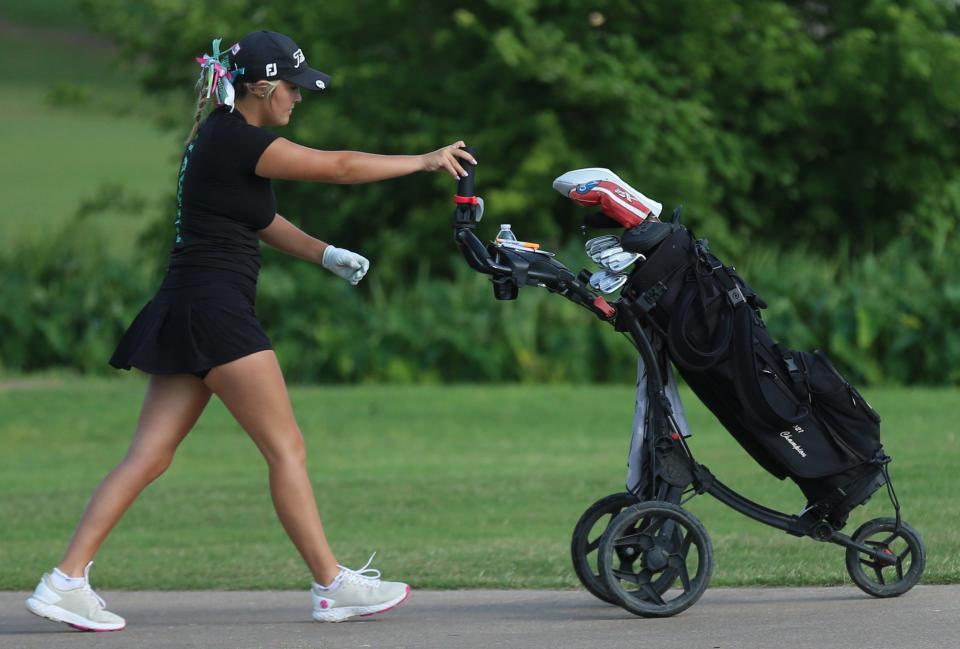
(287, 449)
(148, 467)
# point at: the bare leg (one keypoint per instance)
(253, 389)
(170, 409)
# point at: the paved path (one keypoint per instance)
(928, 617)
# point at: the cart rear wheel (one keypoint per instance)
(651, 544)
(586, 539)
(898, 564)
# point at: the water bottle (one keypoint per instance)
(505, 234)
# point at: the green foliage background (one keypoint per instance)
(815, 145)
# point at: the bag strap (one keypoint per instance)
(682, 349)
(723, 274)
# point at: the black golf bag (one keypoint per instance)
(792, 411)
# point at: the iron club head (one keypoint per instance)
(606, 281)
(599, 244)
(620, 261)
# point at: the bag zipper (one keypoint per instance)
(852, 392)
(781, 384)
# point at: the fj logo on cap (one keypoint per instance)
(299, 58)
(271, 69)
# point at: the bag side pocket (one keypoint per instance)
(841, 405)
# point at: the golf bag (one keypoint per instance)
(792, 411)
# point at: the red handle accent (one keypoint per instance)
(468, 200)
(604, 307)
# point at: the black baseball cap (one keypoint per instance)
(271, 56)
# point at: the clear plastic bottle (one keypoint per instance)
(505, 234)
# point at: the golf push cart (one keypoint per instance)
(793, 412)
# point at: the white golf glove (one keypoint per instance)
(348, 265)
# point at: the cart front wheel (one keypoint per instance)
(897, 562)
(649, 544)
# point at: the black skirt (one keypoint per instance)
(190, 329)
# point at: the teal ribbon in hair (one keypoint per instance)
(216, 79)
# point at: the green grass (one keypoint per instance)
(77, 124)
(42, 12)
(464, 486)
(67, 157)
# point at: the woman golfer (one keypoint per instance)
(199, 334)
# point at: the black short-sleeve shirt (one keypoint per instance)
(221, 202)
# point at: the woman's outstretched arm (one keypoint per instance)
(286, 160)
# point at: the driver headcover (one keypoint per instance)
(617, 199)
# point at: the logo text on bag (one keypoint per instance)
(788, 435)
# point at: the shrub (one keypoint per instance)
(888, 317)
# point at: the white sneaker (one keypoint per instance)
(79, 607)
(360, 592)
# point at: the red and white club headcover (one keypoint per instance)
(617, 199)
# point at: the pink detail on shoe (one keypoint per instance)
(83, 628)
(405, 596)
(324, 603)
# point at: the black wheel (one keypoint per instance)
(586, 540)
(898, 564)
(651, 544)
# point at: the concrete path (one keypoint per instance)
(927, 617)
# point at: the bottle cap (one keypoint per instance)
(504, 226)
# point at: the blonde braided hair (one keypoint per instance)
(202, 101)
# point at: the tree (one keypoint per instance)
(773, 121)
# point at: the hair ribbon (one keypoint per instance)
(216, 79)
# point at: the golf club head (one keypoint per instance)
(567, 183)
(606, 281)
(599, 244)
(608, 255)
(620, 261)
